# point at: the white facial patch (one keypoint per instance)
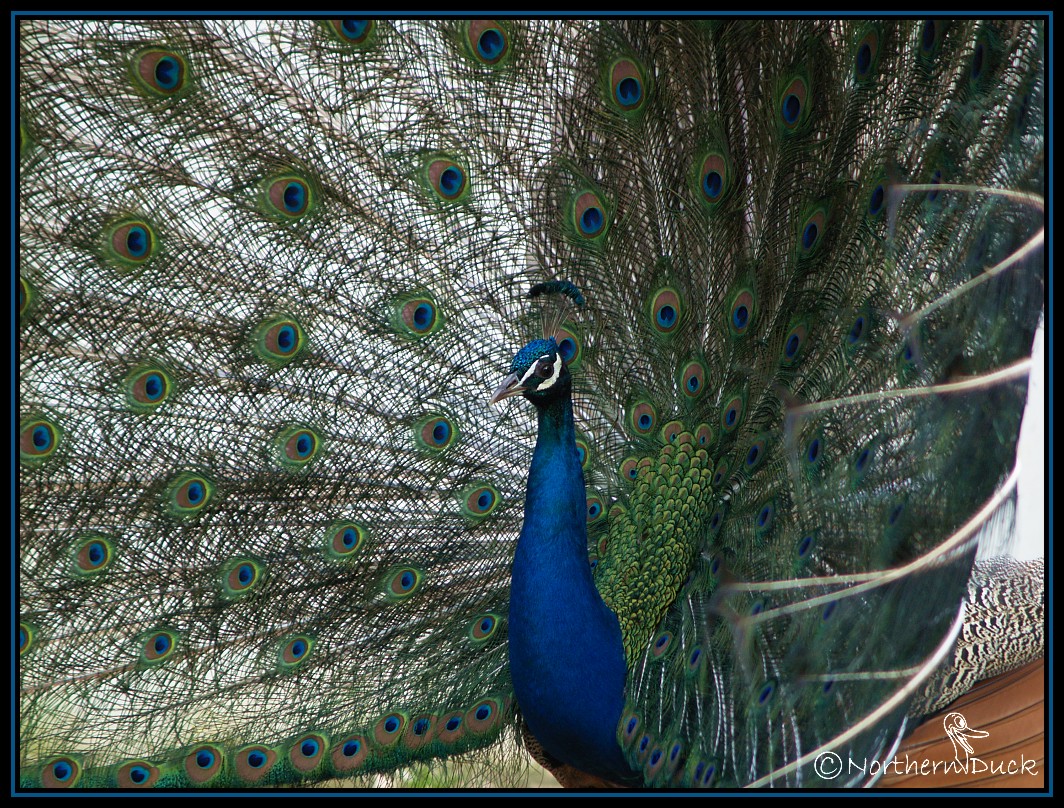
(546, 383)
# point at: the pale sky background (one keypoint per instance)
(1030, 519)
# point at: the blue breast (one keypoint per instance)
(566, 656)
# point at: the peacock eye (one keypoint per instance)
(544, 369)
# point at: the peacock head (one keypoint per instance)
(538, 371)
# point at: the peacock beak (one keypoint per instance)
(510, 387)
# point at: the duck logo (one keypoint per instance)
(959, 733)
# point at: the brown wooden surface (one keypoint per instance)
(1011, 709)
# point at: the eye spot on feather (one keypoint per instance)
(671, 432)
(755, 455)
(654, 762)
(742, 312)
(857, 331)
(295, 651)
(404, 582)
(909, 352)
(589, 215)
(137, 774)
(26, 636)
(159, 73)
(146, 388)
(732, 414)
(203, 763)
(642, 417)
(813, 232)
(129, 244)
(626, 84)
(793, 104)
(289, 197)
(352, 31)
(92, 555)
(661, 644)
(483, 716)
(254, 762)
(864, 460)
(666, 308)
(704, 435)
(344, 539)
(435, 432)
(278, 340)
(595, 511)
(451, 727)
(805, 544)
(709, 774)
(484, 627)
(720, 473)
(693, 379)
(930, 35)
(792, 108)
(239, 577)
(488, 41)
(61, 772)
(764, 519)
(829, 610)
(866, 57)
(350, 753)
(694, 661)
(876, 200)
(793, 344)
(630, 727)
(158, 646)
(569, 347)
(479, 501)
(388, 729)
(307, 753)
(715, 522)
(583, 453)
(297, 446)
(714, 180)
(568, 350)
(448, 179)
(419, 316)
(420, 731)
(812, 452)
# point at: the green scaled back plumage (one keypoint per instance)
(271, 271)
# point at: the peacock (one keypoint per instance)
(638, 393)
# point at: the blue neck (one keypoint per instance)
(566, 656)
